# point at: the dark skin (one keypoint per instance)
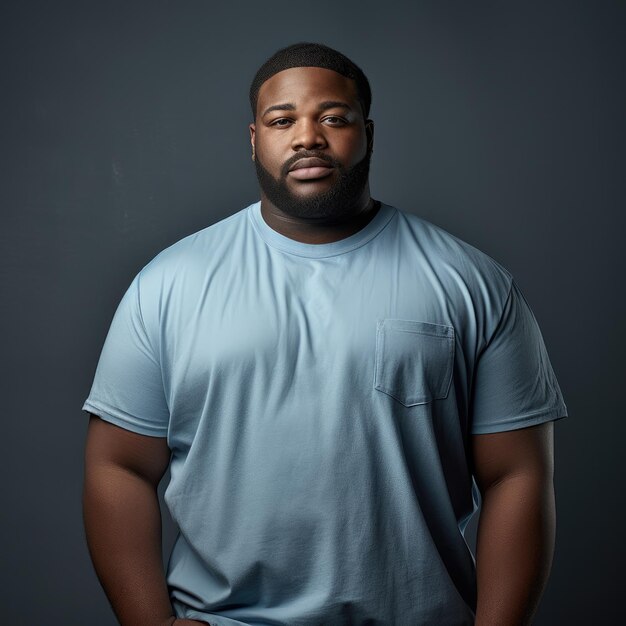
(341, 133)
(123, 522)
(514, 469)
(517, 523)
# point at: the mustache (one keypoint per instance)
(307, 154)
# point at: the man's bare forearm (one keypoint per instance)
(515, 545)
(123, 527)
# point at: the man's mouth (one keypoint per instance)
(310, 168)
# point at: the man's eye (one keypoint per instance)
(279, 121)
(335, 121)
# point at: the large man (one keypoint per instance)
(334, 383)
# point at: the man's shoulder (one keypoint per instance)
(197, 249)
(451, 252)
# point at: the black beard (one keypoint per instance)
(337, 202)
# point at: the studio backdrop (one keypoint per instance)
(124, 128)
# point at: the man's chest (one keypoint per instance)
(313, 330)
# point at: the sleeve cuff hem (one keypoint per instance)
(124, 420)
(521, 421)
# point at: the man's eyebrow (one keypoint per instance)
(334, 104)
(288, 106)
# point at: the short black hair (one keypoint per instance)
(305, 54)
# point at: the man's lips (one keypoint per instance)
(309, 168)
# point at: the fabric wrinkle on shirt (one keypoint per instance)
(318, 400)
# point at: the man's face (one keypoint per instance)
(311, 113)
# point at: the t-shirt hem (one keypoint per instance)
(522, 421)
(184, 612)
(124, 420)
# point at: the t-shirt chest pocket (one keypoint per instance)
(414, 360)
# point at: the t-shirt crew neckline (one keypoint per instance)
(319, 250)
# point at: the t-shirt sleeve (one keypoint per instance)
(514, 383)
(127, 389)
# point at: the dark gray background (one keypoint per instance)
(124, 128)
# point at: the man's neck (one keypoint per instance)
(310, 232)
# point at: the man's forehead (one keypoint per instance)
(304, 83)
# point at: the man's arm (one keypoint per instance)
(517, 523)
(123, 522)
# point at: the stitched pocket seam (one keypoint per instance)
(392, 325)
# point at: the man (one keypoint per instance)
(332, 381)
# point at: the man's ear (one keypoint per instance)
(252, 128)
(369, 131)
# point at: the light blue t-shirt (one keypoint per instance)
(318, 400)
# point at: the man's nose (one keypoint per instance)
(308, 135)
